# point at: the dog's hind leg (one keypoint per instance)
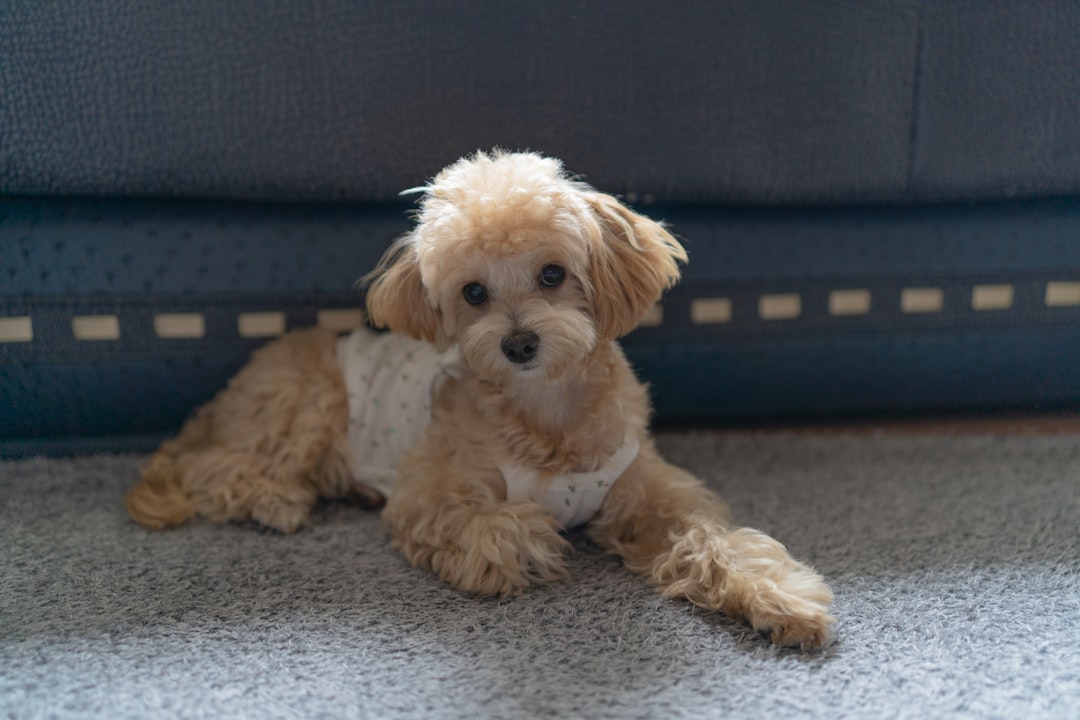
(259, 449)
(158, 501)
(224, 484)
(667, 526)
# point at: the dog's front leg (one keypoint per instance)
(667, 526)
(456, 524)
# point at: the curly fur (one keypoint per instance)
(274, 440)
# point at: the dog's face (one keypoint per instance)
(525, 269)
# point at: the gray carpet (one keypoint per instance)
(955, 561)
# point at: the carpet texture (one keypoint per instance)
(955, 561)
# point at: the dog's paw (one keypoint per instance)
(808, 633)
(502, 552)
(278, 514)
(809, 627)
(793, 609)
(750, 576)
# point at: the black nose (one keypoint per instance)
(521, 346)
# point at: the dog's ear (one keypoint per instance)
(633, 260)
(396, 297)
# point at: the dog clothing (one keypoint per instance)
(573, 498)
(391, 381)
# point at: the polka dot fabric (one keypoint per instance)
(391, 380)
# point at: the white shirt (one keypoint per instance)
(391, 382)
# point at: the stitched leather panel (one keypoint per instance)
(102, 258)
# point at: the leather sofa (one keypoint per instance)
(879, 198)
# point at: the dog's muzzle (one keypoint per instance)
(520, 346)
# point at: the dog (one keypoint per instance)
(499, 412)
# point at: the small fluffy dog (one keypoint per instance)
(499, 412)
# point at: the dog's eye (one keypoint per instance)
(552, 276)
(475, 293)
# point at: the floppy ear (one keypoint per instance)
(633, 260)
(396, 298)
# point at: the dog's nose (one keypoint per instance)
(521, 346)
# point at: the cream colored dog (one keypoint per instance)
(508, 399)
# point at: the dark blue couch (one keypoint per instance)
(879, 198)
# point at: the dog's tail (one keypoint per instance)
(159, 501)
